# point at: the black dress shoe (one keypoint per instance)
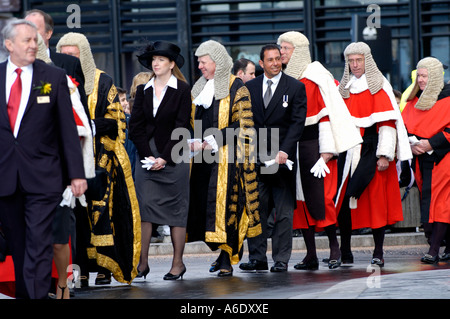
(225, 272)
(428, 259)
(445, 257)
(253, 265)
(103, 279)
(279, 266)
(377, 261)
(215, 266)
(308, 265)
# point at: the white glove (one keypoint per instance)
(320, 168)
(288, 163)
(69, 199)
(147, 163)
(212, 141)
(413, 140)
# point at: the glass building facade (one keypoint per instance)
(117, 29)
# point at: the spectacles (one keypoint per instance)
(286, 48)
(358, 60)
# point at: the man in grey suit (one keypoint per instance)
(279, 113)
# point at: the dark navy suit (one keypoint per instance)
(33, 170)
(283, 121)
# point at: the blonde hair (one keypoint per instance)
(140, 78)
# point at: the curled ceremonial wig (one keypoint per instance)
(434, 85)
(224, 64)
(86, 58)
(375, 78)
(301, 56)
(42, 50)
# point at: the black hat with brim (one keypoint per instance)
(161, 48)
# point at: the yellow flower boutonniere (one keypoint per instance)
(45, 87)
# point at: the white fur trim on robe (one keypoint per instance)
(345, 133)
(399, 144)
(341, 128)
(87, 146)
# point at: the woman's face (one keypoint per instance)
(162, 65)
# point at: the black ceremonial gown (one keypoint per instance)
(112, 204)
(224, 202)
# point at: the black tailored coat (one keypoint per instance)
(289, 119)
(47, 147)
(173, 112)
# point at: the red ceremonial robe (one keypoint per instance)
(380, 202)
(302, 217)
(434, 125)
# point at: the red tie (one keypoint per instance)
(14, 99)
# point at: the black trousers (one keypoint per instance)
(276, 193)
(27, 223)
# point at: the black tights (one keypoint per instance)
(310, 242)
(345, 227)
(438, 234)
(378, 238)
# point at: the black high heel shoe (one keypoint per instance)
(334, 263)
(308, 265)
(143, 273)
(63, 289)
(170, 276)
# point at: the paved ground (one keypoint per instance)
(401, 277)
(404, 277)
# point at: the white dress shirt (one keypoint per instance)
(156, 102)
(26, 77)
(275, 80)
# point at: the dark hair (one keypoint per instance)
(267, 47)
(120, 90)
(49, 24)
(241, 64)
(397, 93)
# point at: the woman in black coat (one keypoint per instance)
(162, 176)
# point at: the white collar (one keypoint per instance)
(11, 67)
(357, 85)
(206, 96)
(274, 80)
(173, 83)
